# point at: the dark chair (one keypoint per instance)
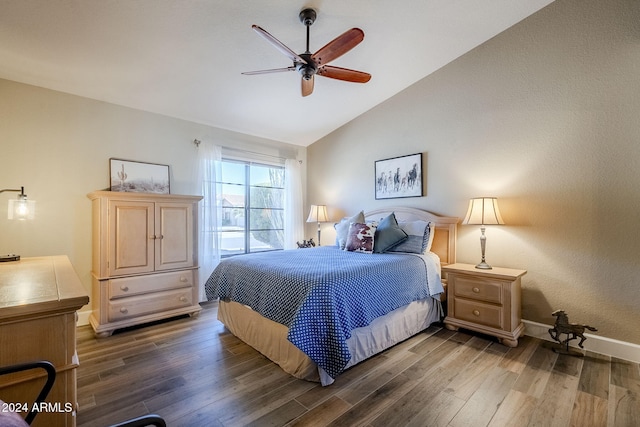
(12, 419)
(146, 420)
(51, 377)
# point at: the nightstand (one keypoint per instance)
(486, 301)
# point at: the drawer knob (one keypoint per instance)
(183, 299)
(123, 310)
(183, 279)
(476, 312)
(124, 288)
(476, 290)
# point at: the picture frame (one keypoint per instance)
(398, 177)
(138, 177)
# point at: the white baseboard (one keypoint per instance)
(595, 343)
(83, 317)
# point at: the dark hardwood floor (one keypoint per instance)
(193, 372)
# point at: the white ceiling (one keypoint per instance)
(183, 58)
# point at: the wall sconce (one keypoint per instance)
(483, 211)
(20, 208)
(318, 213)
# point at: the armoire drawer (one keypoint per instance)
(477, 312)
(140, 285)
(123, 308)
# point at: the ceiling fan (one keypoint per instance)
(308, 64)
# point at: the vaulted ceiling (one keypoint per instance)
(184, 58)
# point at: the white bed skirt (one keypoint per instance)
(270, 338)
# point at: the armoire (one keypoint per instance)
(145, 258)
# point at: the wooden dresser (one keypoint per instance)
(486, 301)
(145, 258)
(39, 298)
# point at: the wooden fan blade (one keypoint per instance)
(273, 70)
(307, 86)
(344, 74)
(278, 45)
(338, 46)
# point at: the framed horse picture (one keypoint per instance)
(399, 177)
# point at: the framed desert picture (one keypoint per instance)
(138, 177)
(399, 177)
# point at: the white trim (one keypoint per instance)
(595, 343)
(83, 318)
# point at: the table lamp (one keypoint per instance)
(483, 211)
(318, 213)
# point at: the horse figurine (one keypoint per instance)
(306, 244)
(571, 330)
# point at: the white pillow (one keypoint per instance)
(342, 228)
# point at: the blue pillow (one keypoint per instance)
(420, 237)
(388, 234)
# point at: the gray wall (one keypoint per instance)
(543, 116)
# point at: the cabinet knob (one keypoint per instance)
(183, 279)
(123, 310)
(183, 299)
(161, 237)
(153, 237)
(124, 288)
(476, 290)
(476, 312)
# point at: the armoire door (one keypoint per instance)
(174, 236)
(131, 237)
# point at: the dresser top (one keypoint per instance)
(39, 285)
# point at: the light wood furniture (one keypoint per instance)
(39, 298)
(486, 301)
(145, 258)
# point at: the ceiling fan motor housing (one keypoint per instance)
(306, 70)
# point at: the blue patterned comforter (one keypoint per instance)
(321, 294)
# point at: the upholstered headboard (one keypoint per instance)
(444, 239)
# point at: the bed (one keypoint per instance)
(316, 312)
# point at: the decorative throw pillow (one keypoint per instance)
(420, 237)
(342, 228)
(361, 237)
(388, 234)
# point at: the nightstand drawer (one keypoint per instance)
(478, 289)
(477, 312)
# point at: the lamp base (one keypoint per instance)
(484, 266)
(10, 257)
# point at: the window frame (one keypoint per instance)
(247, 229)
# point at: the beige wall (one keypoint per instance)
(544, 116)
(58, 147)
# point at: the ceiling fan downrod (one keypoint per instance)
(307, 17)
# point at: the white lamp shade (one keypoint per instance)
(21, 209)
(318, 213)
(483, 211)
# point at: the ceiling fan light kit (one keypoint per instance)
(308, 64)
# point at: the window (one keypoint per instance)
(252, 207)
